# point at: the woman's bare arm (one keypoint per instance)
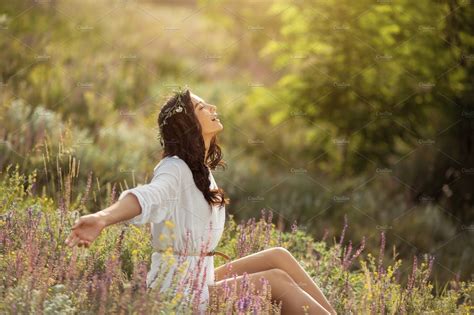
(122, 210)
(88, 227)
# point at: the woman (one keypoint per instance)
(183, 191)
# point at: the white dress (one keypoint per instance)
(172, 195)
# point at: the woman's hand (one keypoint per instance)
(85, 230)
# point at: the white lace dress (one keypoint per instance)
(173, 197)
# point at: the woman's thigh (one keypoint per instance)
(279, 281)
(253, 263)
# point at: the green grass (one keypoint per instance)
(41, 274)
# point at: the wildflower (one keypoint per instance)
(183, 266)
(169, 252)
(169, 224)
(172, 260)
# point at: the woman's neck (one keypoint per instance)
(207, 143)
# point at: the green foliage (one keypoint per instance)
(365, 69)
(375, 82)
(40, 274)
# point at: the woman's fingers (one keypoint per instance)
(76, 223)
(73, 241)
(83, 243)
(70, 238)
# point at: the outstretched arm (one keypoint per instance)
(88, 227)
(149, 203)
(122, 210)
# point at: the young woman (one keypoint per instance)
(183, 191)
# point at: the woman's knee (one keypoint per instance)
(279, 254)
(282, 251)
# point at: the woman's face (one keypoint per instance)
(207, 115)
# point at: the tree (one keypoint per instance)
(388, 79)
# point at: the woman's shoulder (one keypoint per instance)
(174, 164)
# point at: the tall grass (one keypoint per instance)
(41, 274)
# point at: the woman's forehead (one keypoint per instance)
(196, 99)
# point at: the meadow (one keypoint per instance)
(347, 137)
(40, 274)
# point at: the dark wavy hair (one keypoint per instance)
(182, 136)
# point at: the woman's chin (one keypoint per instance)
(220, 128)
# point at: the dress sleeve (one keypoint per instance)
(159, 197)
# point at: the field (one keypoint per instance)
(351, 123)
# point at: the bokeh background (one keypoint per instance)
(331, 109)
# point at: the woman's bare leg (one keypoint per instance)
(271, 258)
(282, 288)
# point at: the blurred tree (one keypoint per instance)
(387, 78)
(451, 174)
(249, 28)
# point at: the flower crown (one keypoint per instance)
(176, 108)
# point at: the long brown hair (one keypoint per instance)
(182, 136)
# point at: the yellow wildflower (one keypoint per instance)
(169, 224)
(169, 251)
